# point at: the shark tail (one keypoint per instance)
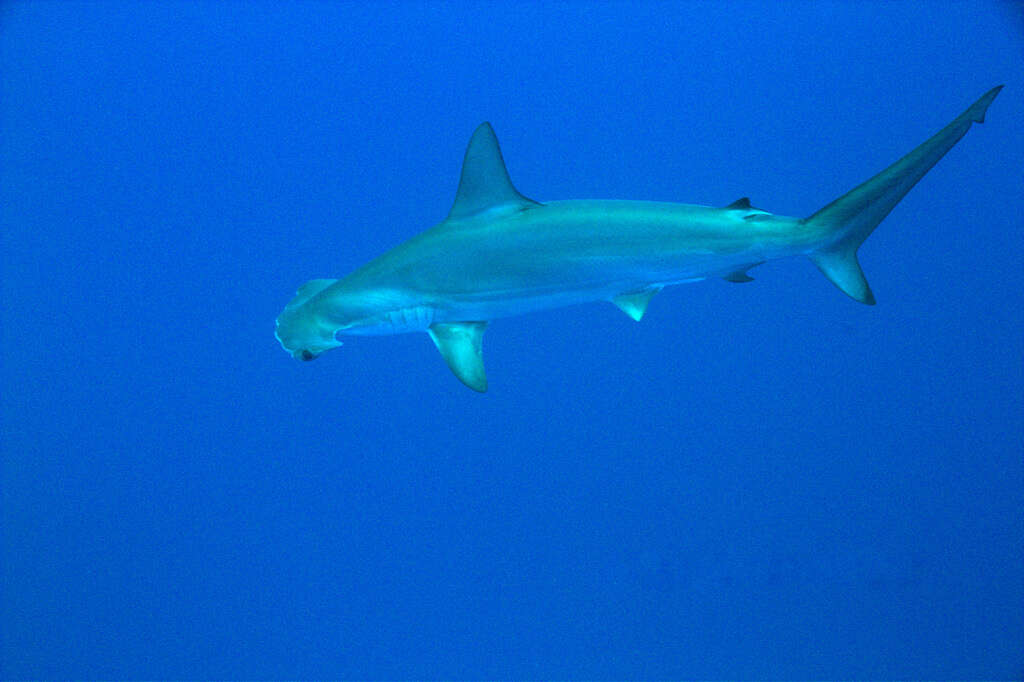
(850, 219)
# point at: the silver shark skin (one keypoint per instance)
(499, 254)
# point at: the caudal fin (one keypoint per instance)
(853, 217)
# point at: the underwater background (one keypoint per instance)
(756, 481)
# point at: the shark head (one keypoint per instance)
(301, 329)
(303, 334)
(324, 308)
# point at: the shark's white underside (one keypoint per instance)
(499, 254)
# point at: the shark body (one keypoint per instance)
(500, 254)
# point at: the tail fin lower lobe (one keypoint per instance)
(853, 217)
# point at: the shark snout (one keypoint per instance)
(303, 336)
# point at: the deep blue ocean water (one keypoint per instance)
(756, 481)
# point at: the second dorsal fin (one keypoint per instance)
(485, 183)
(743, 202)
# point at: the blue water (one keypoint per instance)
(757, 481)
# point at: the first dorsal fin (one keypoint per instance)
(485, 183)
(743, 202)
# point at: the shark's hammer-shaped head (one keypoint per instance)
(301, 328)
(323, 308)
(303, 335)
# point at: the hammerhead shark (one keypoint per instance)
(500, 254)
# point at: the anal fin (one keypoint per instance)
(460, 346)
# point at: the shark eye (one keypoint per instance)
(308, 355)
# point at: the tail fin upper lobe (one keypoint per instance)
(853, 216)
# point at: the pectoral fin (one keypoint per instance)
(459, 343)
(635, 303)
